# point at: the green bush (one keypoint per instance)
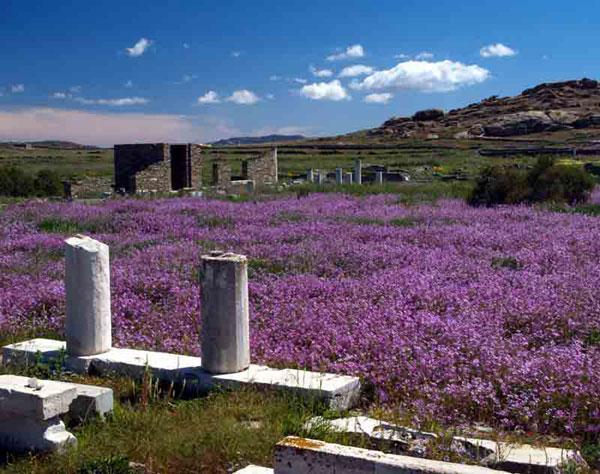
(546, 181)
(15, 182)
(497, 185)
(48, 183)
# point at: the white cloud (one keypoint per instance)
(299, 80)
(186, 46)
(236, 54)
(129, 84)
(356, 70)
(17, 88)
(275, 77)
(424, 55)
(325, 91)
(138, 48)
(243, 97)
(497, 50)
(440, 76)
(401, 56)
(75, 89)
(60, 95)
(270, 96)
(354, 51)
(382, 98)
(113, 102)
(321, 72)
(211, 97)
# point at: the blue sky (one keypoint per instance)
(123, 71)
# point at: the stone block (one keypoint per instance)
(298, 456)
(252, 469)
(21, 397)
(337, 391)
(26, 434)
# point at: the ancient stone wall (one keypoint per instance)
(197, 162)
(154, 179)
(89, 187)
(263, 169)
(131, 159)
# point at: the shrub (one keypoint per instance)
(15, 182)
(546, 181)
(48, 183)
(498, 185)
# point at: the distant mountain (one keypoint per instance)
(56, 144)
(258, 140)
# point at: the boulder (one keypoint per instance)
(428, 115)
(520, 123)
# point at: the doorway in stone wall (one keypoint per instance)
(181, 167)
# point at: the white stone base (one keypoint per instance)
(86, 401)
(26, 434)
(522, 458)
(299, 456)
(252, 469)
(337, 391)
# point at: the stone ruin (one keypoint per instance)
(143, 168)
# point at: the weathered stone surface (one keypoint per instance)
(252, 469)
(225, 330)
(32, 398)
(87, 287)
(299, 455)
(26, 434)
(336, 391)
(88, 400)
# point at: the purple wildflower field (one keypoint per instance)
(451, 313)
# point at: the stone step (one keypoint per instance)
(336, 391)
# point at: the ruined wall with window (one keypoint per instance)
(158, 167)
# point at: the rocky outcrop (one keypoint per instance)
(545, 108)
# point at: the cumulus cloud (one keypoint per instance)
(321, 72)
(424, 55)
(60, 95)
(356, 70)
(424, 76)
(138, 48)
(123, 101)
(497, 50)
(401, 56)
(354, 51)
(382, 98)
(299, 80)
(243, 97)
(17, 88)
(211, 97)
(325, 91)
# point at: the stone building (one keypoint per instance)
(157, 167)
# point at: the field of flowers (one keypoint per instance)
(448, 312)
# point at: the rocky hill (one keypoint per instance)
(548, 107)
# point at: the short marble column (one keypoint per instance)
(348, 178)
(358, 172)
(310, 176)
(225, 330)
(378, 177)
(87, 287)
(339, 174)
